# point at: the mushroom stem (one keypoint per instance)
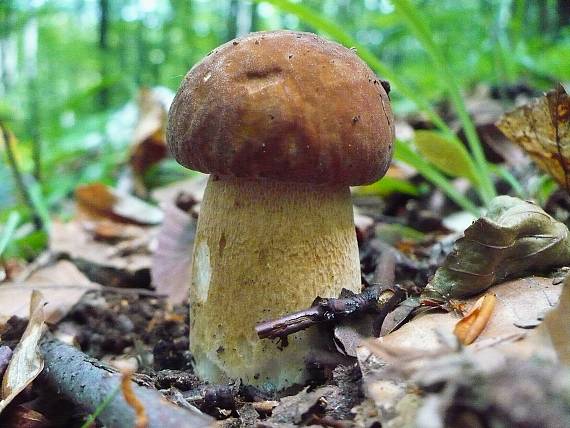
(265, 248)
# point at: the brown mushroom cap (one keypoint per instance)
(283, 105)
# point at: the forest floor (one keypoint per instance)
(423, 371)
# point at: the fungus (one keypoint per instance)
(271, 117)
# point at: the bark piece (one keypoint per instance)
(87, 382)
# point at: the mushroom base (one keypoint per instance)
(264, 249)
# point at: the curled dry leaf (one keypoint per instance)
(172, 259)
(556, 325)
(517, 301)
(542, 129)
(149, 139)
(514, 238)
(26, 363)
(98, 201)
(123, 264)
(474, 322)
(62, 283)
(141, 419)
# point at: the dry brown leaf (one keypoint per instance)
(474, 322)
(62, 284)
(557, 324)
(26, 363)
(518, 303)
(194, 187)
(542, 129)
(172, 259)
(98, 201)
(123, 264)
(22, 417)
(141, 419)
(513, 238)
(149, 139)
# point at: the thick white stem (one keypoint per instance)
(263, 249)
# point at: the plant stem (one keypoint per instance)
(8, 230)
(420, 29)
(19, 178)
(404, 153)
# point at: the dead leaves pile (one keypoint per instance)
(542, 129)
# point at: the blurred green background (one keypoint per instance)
(70, 70)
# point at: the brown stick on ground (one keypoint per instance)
(380, 297)
(87, 382)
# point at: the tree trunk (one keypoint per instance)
(103, 49)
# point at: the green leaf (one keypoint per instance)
(407, 155)
(387, 186)
(449, 156)
(513, 239)
(8, 230)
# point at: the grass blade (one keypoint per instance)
(8, 230)
(419, 28)
(405, 154)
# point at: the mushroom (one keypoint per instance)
(284, 122)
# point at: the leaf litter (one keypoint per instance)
(418, 374)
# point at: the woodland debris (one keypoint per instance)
(542, 129)
(378, 298)
(515, 237)
(141, 418)
(172, 258)
(97, 201)
(556, 325)
(87, 382)
(474, 322)
(126, 264)
(62, 285)
(26, 362)
(522, 301)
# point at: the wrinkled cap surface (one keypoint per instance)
(283, 105)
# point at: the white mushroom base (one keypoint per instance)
(264, 249)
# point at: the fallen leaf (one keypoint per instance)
(98, 201)
(514, 238)
(516, 300)
(26, 363)
(22, 417)
(542, 129)
(399, 315)
(556, 325)
(149, 139)
(123, 264)
(141, 419)
(62, 284)
(172, 259)
(472, 324)
(194, 187)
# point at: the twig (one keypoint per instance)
(19, 178)
(379, 297)
(87, 382)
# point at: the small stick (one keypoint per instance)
(87, 382)
(19, 178)
(379, 297)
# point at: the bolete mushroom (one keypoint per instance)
(284, 122)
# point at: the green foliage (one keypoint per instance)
(448, 155)
(101, 407)
(7, 232)
(64, 95)
(388, 186)
(407, 155)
